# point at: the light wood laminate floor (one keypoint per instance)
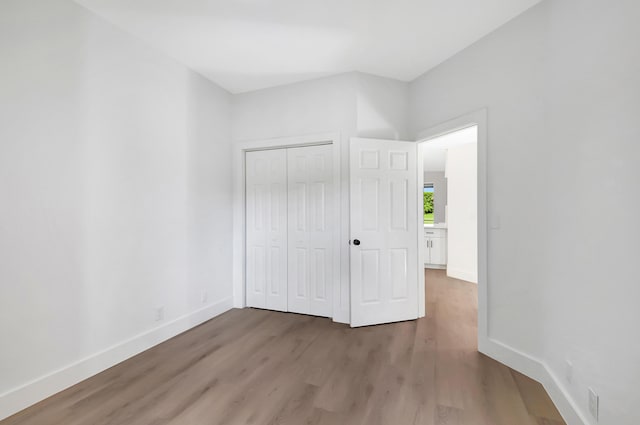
(261, 367)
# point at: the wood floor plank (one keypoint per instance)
(267, 368)
(446, 415)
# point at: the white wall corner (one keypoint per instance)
(17, 399)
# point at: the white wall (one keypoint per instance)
(439, 194)
(462, 222)
(591, 278)
(382, 107)
(116, 197)
(500, 72)
(560, 83)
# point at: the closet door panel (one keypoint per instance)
(266, 229)
(310, 234)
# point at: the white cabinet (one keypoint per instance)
(437, 251)
(435, 247)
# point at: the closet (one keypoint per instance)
(290, 226)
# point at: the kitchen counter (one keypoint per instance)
(436, 226)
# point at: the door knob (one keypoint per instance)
(356, 242)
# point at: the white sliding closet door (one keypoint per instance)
(266, 224)
(311, 223)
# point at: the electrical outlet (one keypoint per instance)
(594, 403)
(205, 297)
(568, 374)
(159, 313)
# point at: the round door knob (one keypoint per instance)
(356, 242)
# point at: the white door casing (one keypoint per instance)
(266, 229)
(310, 229)
(384, 220)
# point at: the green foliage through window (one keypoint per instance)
(428, 204)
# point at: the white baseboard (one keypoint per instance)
(539, 371)
(567, 406)
(32, 392)
(462, 275)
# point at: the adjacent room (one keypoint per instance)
(334, 212)
(450, 200)
(450, 243)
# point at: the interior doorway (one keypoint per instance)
(453, 237)
(450, 204)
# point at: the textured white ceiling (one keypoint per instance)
(245, 45)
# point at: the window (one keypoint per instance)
(428, 203)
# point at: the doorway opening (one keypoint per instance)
(450, 234)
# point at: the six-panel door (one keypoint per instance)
(311, 205)
(384, 219)
(266, 229)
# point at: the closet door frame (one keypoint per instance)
(239, 210)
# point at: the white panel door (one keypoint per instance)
(384, 231)
(266, 228)
(311, 229)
